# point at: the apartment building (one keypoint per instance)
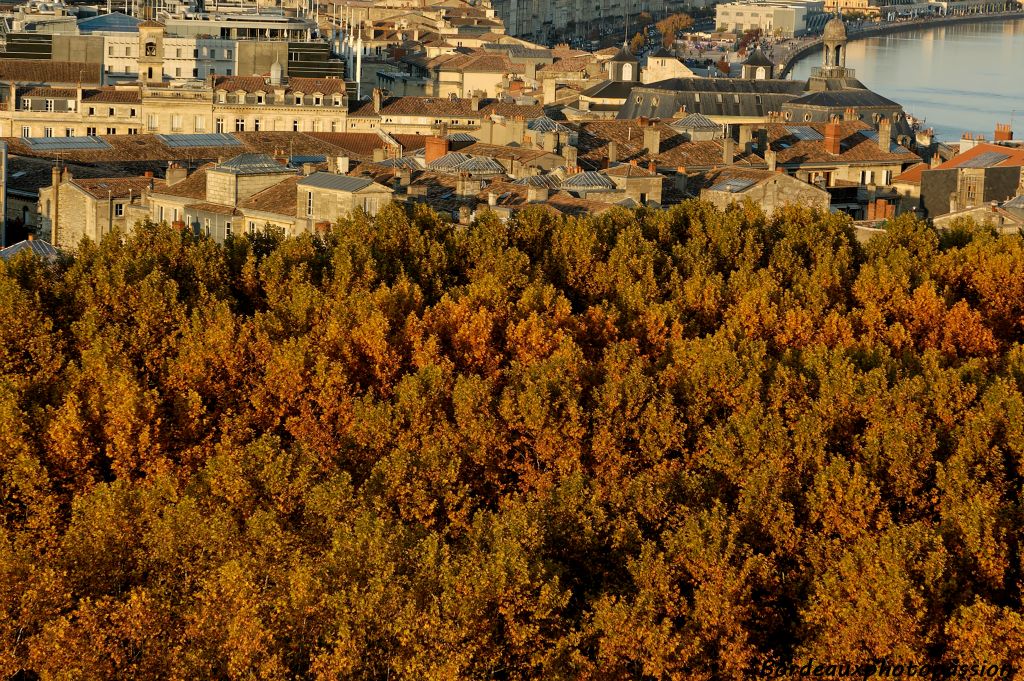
(780, 18)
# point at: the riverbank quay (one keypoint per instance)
(789, 54)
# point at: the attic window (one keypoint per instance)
(639, 99)
(654, 101)
(807, 117)
(317, 101)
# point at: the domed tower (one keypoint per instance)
(834, 40)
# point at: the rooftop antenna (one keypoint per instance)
(625, 11)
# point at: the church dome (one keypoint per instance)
(835, 29)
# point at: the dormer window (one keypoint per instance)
(222, 97)
(317, 100)
(337, 100)
(298, 100)
(260, 98)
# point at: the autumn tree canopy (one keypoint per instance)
(651, 444)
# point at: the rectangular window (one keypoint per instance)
(47, 132)
(152, 121)
(133, 131)
(90, 132)
(227, 54)
(228, 72)
(227, 229)
(259, 99)
(110, 50)
(298, 100)
(25, 131)
(220, 125)
(309, 203)
(177, 52)
(317, 101)
(92, 111)
(111, 131)
(239, 125)
(222, 97)
(128, 51)
(200, 124)
(195, 73)
(175, 122)
(26, 104)
(69, 132)
(174, 215)
(295, 126)
(252, 227)
(160, 214)
(49, 105)
(110, 111)
(131, 113)
(177, 71)
(256, 125)
(118, 209)
(206, 226)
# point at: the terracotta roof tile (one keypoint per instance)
(192, 187)
(115, 187)
(214, 208)
(280, 198)
(48, 71)
(855, 145)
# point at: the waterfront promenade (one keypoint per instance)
(791, 51)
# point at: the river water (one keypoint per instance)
(959, 78)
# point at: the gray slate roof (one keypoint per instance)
(343, 183)
(545, 124)
(588, 180)
(709, 96)
(251, 164)
(696, 121)
(42, 249)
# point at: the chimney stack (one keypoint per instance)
(652, 140)
(728, 151)
(1003, 132)
(885, 134)
(613, 152)
(378, 99)
(492, 199)
(762, 141)
(746, 135)
(571, 155)
(850, 114)
(55, 215)
(832, 136)
(380, 154)
(175, 174)
(405, 177)
(772, 159)
(436, 147)
(535, 194)
(342, 163)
